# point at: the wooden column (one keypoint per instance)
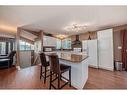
(18, 49)
(41, 38)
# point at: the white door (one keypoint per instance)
(105, 49)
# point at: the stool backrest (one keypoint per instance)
(54, 63)
(43, 59)
(11, 54)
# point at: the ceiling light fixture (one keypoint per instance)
(75, 27)
(89, 38)
(61, 36)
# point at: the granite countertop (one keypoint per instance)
(72, 57)
(75, 58)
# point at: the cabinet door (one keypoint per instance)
(92, 53)
(53, 41)
(49, 41)
(45, 41)
(84, 45)
(105, 49)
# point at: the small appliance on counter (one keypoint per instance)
(77, 49)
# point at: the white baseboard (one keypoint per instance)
(110, 69)
(93, 66)
(18, 68)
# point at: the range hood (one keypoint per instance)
(77, 41)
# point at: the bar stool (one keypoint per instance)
(58, 69)
(44, 64)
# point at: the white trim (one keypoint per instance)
(96, 67)
(18, 68)
(93, 66)
(109, 69)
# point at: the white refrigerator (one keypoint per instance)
(100, 50)
(90, 46)
(105, 49)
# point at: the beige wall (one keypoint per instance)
(117, 41)
(85, 36)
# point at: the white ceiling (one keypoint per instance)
(53, 19)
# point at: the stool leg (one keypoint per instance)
(45, 76)
(8, 64)
(60, 77)
(58, 81)
(70, 77)
(41, 72)
(56, 75)
(50, 79)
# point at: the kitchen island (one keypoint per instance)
(79, 67)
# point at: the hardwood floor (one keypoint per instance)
(103, 79)
(28, 78)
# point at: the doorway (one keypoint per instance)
(124, 48)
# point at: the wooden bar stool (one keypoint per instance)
(58, 69)
(44, 64)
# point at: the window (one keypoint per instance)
(28, 46)
(22, 45)
(25, 46)
(66, 43)
(2, 47)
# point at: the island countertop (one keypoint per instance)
(75, 58)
